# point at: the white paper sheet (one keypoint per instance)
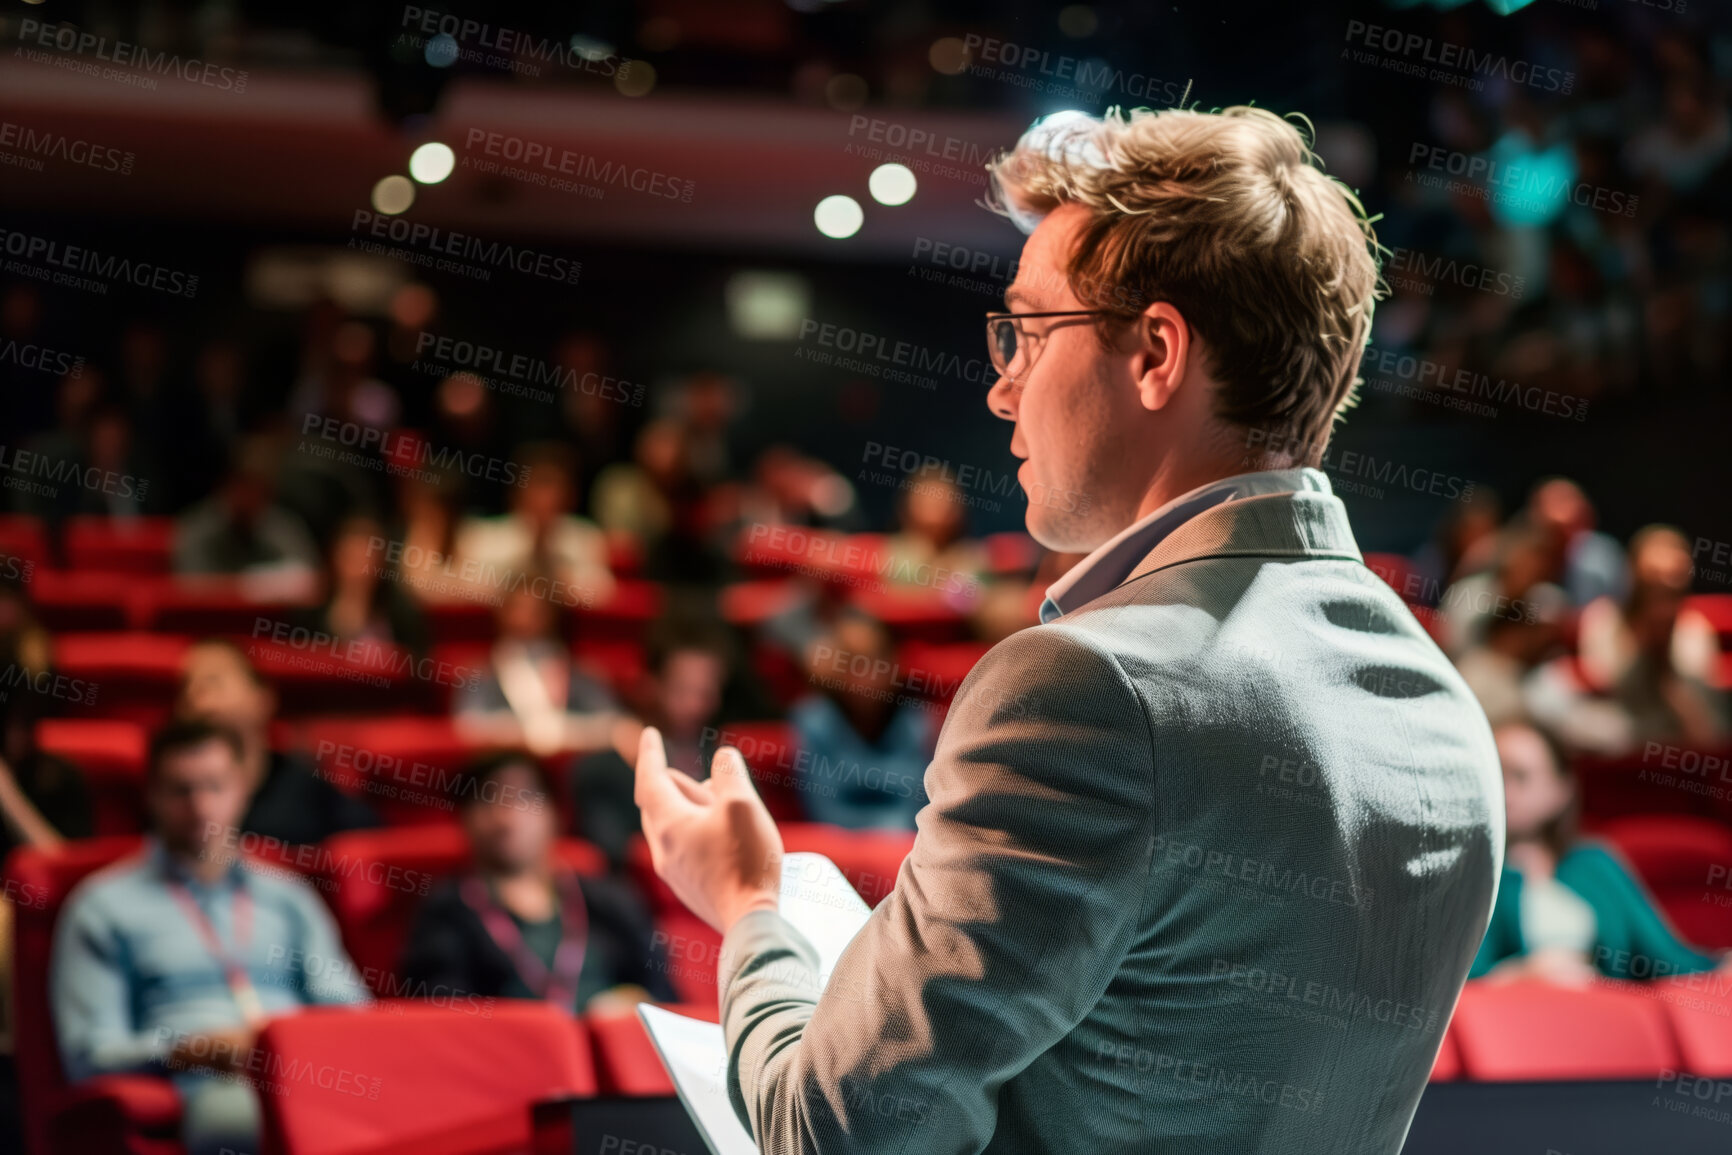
(821, 905)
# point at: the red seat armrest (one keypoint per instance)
(116, 1104)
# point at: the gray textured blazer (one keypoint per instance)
(1205, 864)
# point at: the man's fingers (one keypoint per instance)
(695, 791)
(729, 774)
(655, 788)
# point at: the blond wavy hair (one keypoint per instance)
(1229, 217)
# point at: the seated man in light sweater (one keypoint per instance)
(172, 961)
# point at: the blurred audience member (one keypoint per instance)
(1586, 563)
(42, 797)
(864, 751)
(931, 547)
(363, 602)
(1568, 908)
(682, 697)
(1515, 588)
(541, 532)
(422, 552)
(287, 800)
(170, 963)
(532, 693)
(1646, 668)
(657, 500)
(522, 926)
(1465, 542)
(241, 530)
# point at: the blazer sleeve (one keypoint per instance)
(1008, 920)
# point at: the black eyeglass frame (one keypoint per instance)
(1016, 319)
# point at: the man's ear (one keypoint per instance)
(1161, 351)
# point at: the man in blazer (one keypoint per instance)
(1209, 850)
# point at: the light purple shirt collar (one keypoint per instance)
(1109, 565)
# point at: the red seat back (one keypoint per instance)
(37, 883)
(120, 545)
(135, 674)
(110, 754)
(374, 882)
(1686, 862)
(1531, 1031)
(22, 539)
(1699, 1007)
(86, 601)
(405, 1076)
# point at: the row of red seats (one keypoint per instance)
(133, 675)
(408, 1053)
(374, 882)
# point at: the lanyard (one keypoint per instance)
(246, 996)
(560, 986)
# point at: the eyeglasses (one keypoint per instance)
(1014, 349)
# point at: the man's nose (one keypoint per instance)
(1002, 398)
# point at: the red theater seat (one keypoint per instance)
(111, 755)
(406, 1077)
(1700, 1010)
(117, 1114)
(1613, 787)
(626, 1062)
(120, 545)
(633, 606)
(922, 613)
(1717, 608)
(339, 678)
(1404, 578)
(403, 766)
(1012, 553)
(1534, 1032)
(1686, 862)
(374, 881)
(212, 605)
(86, 601)
(750, 604)
(22, 538)
(1447, 1068)
(934, 671)
(135, 674)
(869, 859)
